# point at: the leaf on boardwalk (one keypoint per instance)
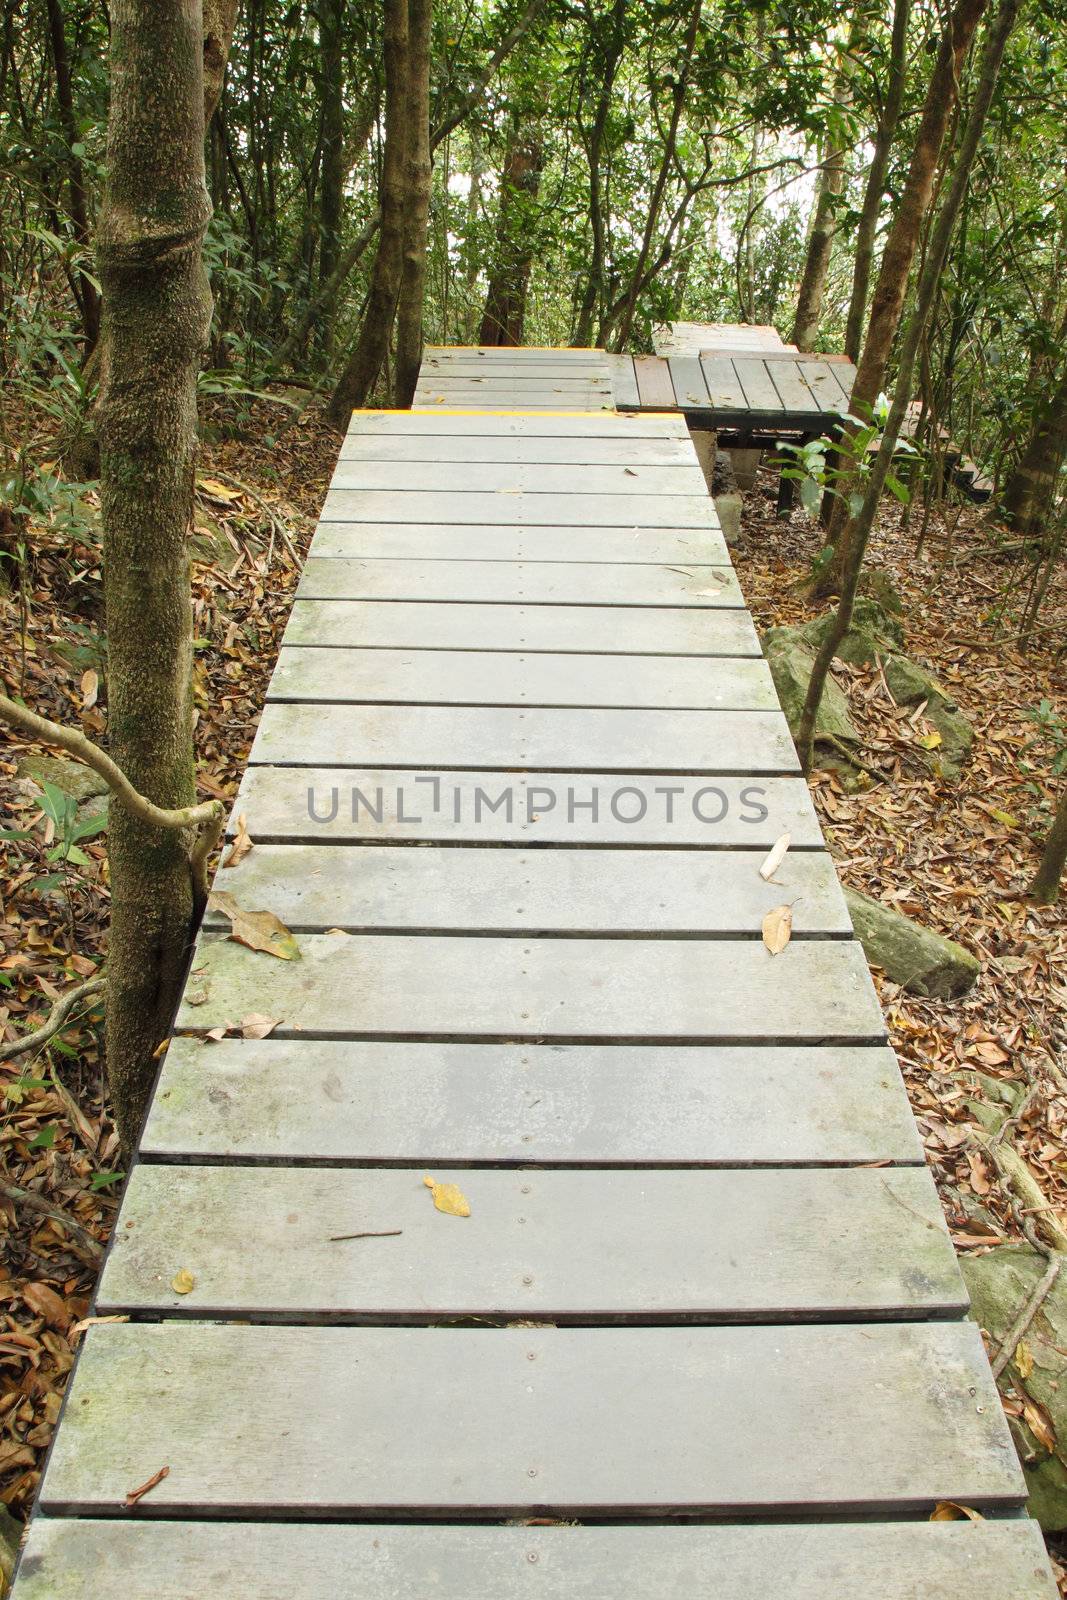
(259, 930)
(447, 1198)
(952, 1511)
(183, 1281)
(242, 844)
(775, 856)
(257, 1026)
(778, 929)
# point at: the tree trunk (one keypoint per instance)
(874, 190)
(859, 530)
(1031, 489)
(331, 194)
(365, 362)
(157, 309)
(88, 299)
(887, 302)
(513, 245)
(416, 204)
(219, 19)
(1045, 888)
(817, 261)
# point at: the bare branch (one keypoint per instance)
(57, 1017)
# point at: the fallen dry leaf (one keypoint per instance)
(90, 687)
(447, 1198)
(47, 1304)
(778, 929)
(257, 1026)
(258, 930)
(79, 1328)
(952, 1511)
(242, 844)
(183, 1281)
(1024, 1359)
(775, 856)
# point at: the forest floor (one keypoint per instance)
(954, 856)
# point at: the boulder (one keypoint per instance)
(791, 661)
(873, 634)
(921, 961)
(1001, 1282)
(910, 685)
(75, 779)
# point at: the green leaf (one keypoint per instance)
(897, 489)
(45, 1139)
(90, 827)
(811, 496)
(104, 1180)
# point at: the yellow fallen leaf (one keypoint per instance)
(1024, 1359)
(259, 930)
(1039, 1422)
(778, 929)
(952, 1511)
(218, 491)
(1005, 818)
(242, 844)
(447, 1198)
(257, 1026)
(775, 857)
(90, 688)
(182, 1281)
(928, 741)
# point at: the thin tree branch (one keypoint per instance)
(57, 1018)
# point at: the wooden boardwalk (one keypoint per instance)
(703, 1325)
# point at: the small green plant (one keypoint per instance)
(841, 467)
(64, 834)
(1051, 734)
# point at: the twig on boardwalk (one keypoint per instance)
(391, 1233)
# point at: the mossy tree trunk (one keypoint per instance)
(820, 244)
(1030, 491)
(157, 309)
(1045, 888)
(416, 204)
(504, 315)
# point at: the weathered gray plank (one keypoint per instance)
(712, 991)
(585, 628)
(822, 381)
(724, 389)
(521, 582)
(348, 805)
(654, 381)
(514, 365)
(378, 888)
(450, 1421)
(531, 510)
(485, 542)
(756, 382)
(597, 451)
(565, 1246)
(462, 677)
(514, 478)
(623, 380)
(421, 1104)
(441, 737)
(788, 378)
(709, 338)
(571, 354)
(171, 1560)
(594, 425)
(517, 392)
(688, 377)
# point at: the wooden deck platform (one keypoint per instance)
(703, 1328)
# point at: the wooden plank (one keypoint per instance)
(469, 677)
(654, 382)
(748, 743)
(755, 380)
(714, 991)
(452, 1422)
(648, 631)
(513, 399)
(623, 380)
(514, 478)
(307, 804)
(628, 450)
(514, 363)
(145, 1560)
(505, 542)
(495, 352)
(565, 1246)
(507, 425)
(822, 380)
(521, 583)
(845, 376)
(695, 338)
(724, 390)
(421, 1104)
(379, 888)
(560, 392)
(526, 510)
(788, 378)
(687, 376)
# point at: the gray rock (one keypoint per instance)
(910, 685)
(75, 779)
(791, 661)
(873, 634)
(1001, 1282)
(921, 961)
(729, 507)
